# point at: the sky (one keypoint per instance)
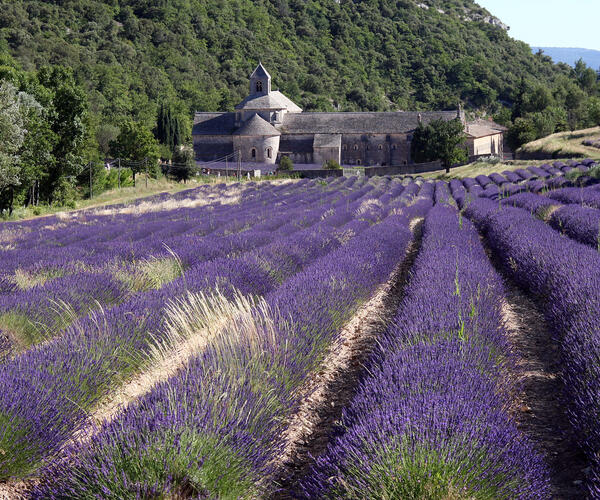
(550, 23)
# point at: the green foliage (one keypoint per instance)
(440, 140)
(285, 164)
(521, 132)
(331, 165)
(171, 127)
(136, 144)
(183, 163)
(351, 55)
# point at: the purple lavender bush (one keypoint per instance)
(565, 276)
(429, 420)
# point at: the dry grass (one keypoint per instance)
(565, 144)
(481, 167)
(26, 280)
(191, 322)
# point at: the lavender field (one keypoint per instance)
(390, 338)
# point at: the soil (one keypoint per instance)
(309, 430)
(538, 409)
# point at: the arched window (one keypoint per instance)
(380, 147)
(355, 147)
(393, 146)
(344, 147)
(358, 162)
(253, 152)
(259, 86)
(269, 153)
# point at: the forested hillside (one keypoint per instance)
(352, 55)
(132, 58)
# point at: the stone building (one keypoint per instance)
(267, 125)
(485, 138)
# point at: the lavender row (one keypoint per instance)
(579, 223)
(531, 202)
(429, 420)
(589, 196)
(96, 241)
(32, 315)
(223, 416)
(565, 275)
(48, 391)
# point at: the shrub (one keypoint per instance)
(331, 165)
(285, 164)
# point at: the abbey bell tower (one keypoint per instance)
(260, 81)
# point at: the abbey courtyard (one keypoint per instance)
(267, 125)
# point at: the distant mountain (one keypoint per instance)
(571, 56)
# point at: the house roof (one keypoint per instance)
(484, 128)
(213, 123)
(272, 100)
(321, 123)
(260, 72)
(359, 123)
(257, 126)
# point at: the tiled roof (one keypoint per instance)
(272, 100)
(484, 128)
(213, 123)
(359, 123)
(257, 126)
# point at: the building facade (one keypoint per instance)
(267, 125)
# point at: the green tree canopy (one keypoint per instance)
(440, 140)
(136, 144)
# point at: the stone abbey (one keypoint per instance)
(267, 125)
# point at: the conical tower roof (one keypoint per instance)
(260, 72)
(256, 126)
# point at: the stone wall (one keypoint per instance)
(212, 147)
(375, 149)
(261, 145)
(299, 148)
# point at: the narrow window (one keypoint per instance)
(259, 86)
(269, 152)
(344, 147)
(358, 162)
(393, 146)
(356, 147)
(253, 152)
(380, 147)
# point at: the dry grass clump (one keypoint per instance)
(190, 322)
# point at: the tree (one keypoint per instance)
(15, 107)
(136, 144)
(183, 163)
(285, 164)
(593, 109)
(440, 140)
(66, 114)
(170, 126)
(522, 131)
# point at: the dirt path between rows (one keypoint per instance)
(333, 387)
(538, 410)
